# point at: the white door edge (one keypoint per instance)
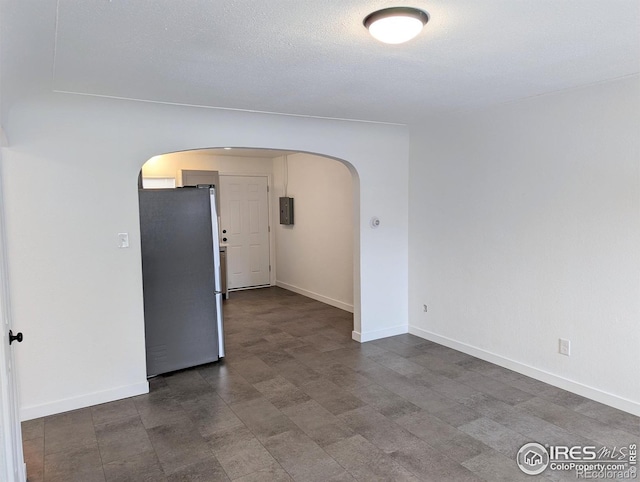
(12, 466)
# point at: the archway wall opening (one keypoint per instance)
(70, 171)
(314, 256)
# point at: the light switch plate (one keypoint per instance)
(123, 240)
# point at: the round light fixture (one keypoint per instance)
(396, 25)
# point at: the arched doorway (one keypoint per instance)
(315, 257)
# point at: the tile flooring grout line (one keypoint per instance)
(93, 424)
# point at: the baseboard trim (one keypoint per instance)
(592, 393)
(87, 400)
(377, 334)
(245, 288)
(316, 296)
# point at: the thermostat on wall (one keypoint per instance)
(286, 210)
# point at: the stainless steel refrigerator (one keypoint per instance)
(181, 278)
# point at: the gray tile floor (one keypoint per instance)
(297, 399)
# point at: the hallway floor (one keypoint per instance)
(297, 399)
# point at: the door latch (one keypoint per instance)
(13, 337)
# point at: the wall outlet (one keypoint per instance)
(564, 347)
(424, 308)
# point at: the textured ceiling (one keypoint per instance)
(314, 57)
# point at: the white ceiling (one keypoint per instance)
(314, 57)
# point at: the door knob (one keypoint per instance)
(13, 337)
(224, 231)
(224, 239)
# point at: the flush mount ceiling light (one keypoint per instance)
(396, 25)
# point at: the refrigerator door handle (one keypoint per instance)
(215, 234)
(216, 271)
(220, 323)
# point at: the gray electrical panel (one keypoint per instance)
(286, 210)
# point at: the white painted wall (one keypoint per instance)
(71, 185)
(525, 227)
(315, 255)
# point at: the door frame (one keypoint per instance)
(12, 466)
(272, 244)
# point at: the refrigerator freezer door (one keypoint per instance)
(178, 279)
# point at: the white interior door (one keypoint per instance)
(12, 466)
(244, 219)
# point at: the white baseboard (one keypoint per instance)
(316, 296)
(377, 334)
(546, 377)
(246, 288)
(87, 400)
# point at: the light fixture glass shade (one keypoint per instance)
(396, 25)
